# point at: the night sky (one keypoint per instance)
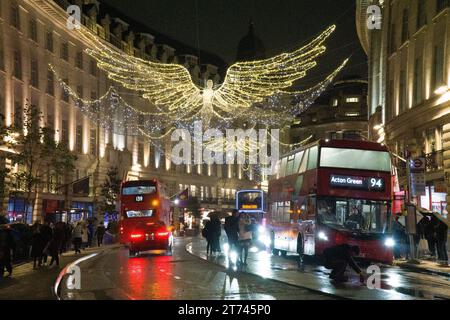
(217, 26)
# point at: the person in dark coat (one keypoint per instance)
(216, 227)
(6, 245)
(53, 248)
(232, 230)
(90, 233)
(441, 239)
(100, 234)
(47, 234)
(37, 245)
(207, 232)
(60, 235)
(337, 259)
(399, 235)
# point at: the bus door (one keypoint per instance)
(309, 228)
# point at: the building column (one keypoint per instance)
(446, 149)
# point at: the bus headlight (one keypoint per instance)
(389, 242)
(322, 236)
(261, 230)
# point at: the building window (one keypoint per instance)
(80, 91)
(418, 74)
(441, 5)
(421, 14)
(93, 142)
(64, 93)
(65, 132)
(65, 51)
(352, 114)
(33, 29)
(334, 102)
(93, 68)
(34, 76)
(392, 34)
(49, 41)
(405, 25)
(403, 93)
(15, 16)
(140, 154)
(17, 72)
(50, 83)
(18, 115)
(391, 99)
(352, 100)
(79, 60)
(50, 121)
(79, 139)
(438, 66)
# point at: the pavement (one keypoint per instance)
(431, 267)
(27, 283)
(396, 283)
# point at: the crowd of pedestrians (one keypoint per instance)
(239, 231)
(49, 240)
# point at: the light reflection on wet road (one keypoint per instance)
(113, 275)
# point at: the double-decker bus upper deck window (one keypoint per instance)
(304, 162)
(312, 159)
(134, 190)
(298, 160)
(355, 159)
(283, 167)
(139, 213)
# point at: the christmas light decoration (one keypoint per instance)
(170, 88)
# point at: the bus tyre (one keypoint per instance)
(132, 253)
(283, 253)
(272, 244)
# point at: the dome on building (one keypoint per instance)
(250, 47)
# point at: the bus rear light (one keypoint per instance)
(162, 234)
(150, 223)
(136, 236)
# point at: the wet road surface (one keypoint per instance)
(113, 275)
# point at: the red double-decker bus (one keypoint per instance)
(145, 216)
(329, 193)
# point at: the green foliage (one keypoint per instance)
(110, 190)
(38, 154)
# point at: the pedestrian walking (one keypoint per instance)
(47, 234)
(100, 232)
(441, 239)
(37, 245)
(77, 237)
(337, 259)
(207, 233)
(216, 233)
(53, 249)
(90, 233)
(245, 237)
(232, 230)
(6, 246)
(399, 235)
(60, 235)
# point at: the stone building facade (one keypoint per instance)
(34, 34)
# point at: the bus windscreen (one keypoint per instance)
(355, 159)
(135, 190)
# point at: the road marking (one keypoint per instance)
(64, 271)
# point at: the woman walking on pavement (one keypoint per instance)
(37, 245)
(245, 237)
(77, 237)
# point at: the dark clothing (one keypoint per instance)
(441, 237)
(90, 234)
(100, 233)
(427, 229)
(6, 245)
(355, 221)
(77, 244)
(232, 230)
(400, 237)
(47, 234)
(337, 258)
(53, 250)
(207, 232)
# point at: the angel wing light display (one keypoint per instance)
(170, 88)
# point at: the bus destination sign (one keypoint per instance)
(352, 182)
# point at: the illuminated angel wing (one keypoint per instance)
(166, 85)
(247, 83)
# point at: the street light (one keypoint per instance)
(176, 201)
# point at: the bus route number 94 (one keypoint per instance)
(376, 183)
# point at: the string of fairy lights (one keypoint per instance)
(253, 95)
